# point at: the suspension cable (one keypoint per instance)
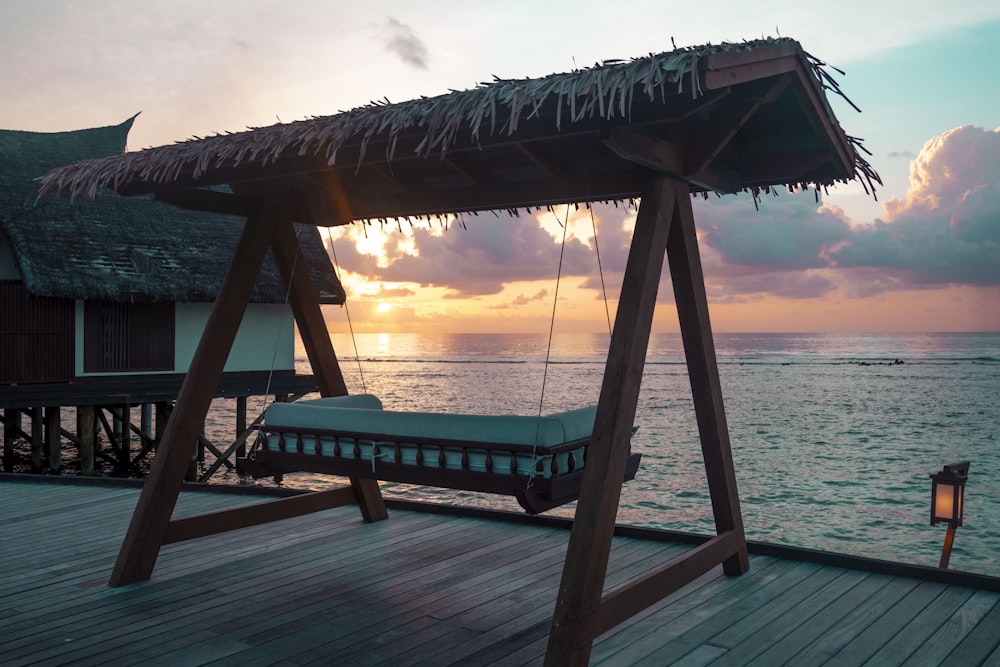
(552, 321)
(347, 310)
(600, 268)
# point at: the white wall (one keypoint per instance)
(265, 341)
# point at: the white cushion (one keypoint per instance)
(497, 429)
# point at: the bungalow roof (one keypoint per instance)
(120, 248)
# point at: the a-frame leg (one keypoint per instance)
(316, 339)
(665, 222)
(699, 350)
(593, 527)
(147, 530)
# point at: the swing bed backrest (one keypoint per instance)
(539, 460)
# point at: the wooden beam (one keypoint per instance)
(541, 160)
(461, 166)
(706, 145)
(667, 158)
(794, 168)
(816, 107)
(590, 540)
(316, 339)
(322, 200)
(148, 527)
(209, 201)
(238, 446)
(389, 172)
(717, 76)
(622, 603)
(699, 350)
(210, 523)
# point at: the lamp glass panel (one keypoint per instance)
(944, 501)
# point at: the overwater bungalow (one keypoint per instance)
(104, 301)
(322, 587)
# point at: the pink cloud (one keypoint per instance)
(947, 228)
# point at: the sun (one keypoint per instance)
(383, 307)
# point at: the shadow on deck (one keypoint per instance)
(436, 589)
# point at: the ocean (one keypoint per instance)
(833, 435)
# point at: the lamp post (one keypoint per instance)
(947, 502)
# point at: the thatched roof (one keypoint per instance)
(725, 117)
(120, 248)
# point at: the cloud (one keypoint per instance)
(405, 44)
(393, 293)
(477, 260)
(779, 248)
(909, 155)
(523, 300)
(947, 228)
(945, 231)
(788, 232)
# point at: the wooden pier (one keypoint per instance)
(113, 413)
(439, 588)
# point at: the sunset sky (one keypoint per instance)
(924, 257)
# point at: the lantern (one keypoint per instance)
(947, 502)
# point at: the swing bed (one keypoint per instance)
(538, 460)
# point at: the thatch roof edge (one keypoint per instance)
(605, 90)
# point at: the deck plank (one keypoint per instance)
(827, 619)
(980, 643)
(952, 635)
(694, 618)
(424, 589)
(909, 638)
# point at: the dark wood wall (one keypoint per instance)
(128, 336)
(36, 336)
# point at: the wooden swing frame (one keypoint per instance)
(743, 117)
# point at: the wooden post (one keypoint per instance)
(162, 415)
(316, 339)
(53, 439)
(86, 429)
(949, 540)
(703, 371)
(148, 527)
(146, 419)
(593, 527)
(241, 427)
(37, 439)
(123, 427)
(11, 426)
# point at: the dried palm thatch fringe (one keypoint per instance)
(605, 90)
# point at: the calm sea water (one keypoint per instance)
(833, 439)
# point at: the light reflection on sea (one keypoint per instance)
(833, 441)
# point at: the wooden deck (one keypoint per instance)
(424, 588)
